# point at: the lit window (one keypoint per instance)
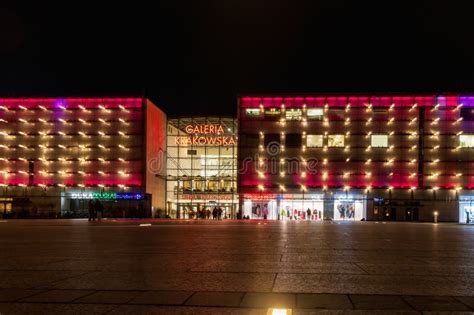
(313, 141)
(252, 112)
(336, 140)
(272, 113)
(380, 141)
(315, 113)
(466, 141)
(293, 114)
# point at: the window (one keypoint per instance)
(293, 114)
(379, 141)
(293, 140)
(272, 114)
(336, 140)
(272, 138)
(467, 113)
(250, 140)
(314, 141)
(253, 112)
(466, 141)
(315, 113)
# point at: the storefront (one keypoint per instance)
(466, 209)
(5, 206)
(201, 168)
(309, 207)
(116, 204)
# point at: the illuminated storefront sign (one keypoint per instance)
(106, 196)
(207, 196)
(205, 134)
(254, 196)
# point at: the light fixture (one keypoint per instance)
(435, 121)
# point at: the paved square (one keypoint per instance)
(118, 266)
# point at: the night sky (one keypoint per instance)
(195, 57)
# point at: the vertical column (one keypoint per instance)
(421, 146)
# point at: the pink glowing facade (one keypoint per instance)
(371, 146)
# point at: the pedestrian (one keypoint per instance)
(219, 213)
(99, 208)
(214, 213)
(91, 210)
(208, 214)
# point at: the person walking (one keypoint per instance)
(99, 208)
(219, 213)
(214, 213)
(91, 210)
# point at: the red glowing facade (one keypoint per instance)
(65, 144)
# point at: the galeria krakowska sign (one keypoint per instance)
(205, 134)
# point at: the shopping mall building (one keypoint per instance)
(311, 157)
(58, 154)
(404, 158)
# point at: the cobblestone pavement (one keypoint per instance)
(231, 267)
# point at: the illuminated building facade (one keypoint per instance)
(201, 167)
(404, 158)
(57, 154)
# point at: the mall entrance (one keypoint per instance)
(204, 210)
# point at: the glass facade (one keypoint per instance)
(201, 167)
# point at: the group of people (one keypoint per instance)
(96, 209)
(216, 213)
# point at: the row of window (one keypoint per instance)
(338, 140)
(317, 113)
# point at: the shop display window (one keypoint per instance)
(272, 114)
(346, 208)
(314, 141)
(466, 210)
(466, 141)
(252, 112)
(379, 141)
(293, 114)
(315, 113)
(336, 141)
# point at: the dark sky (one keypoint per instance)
(195, 57)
